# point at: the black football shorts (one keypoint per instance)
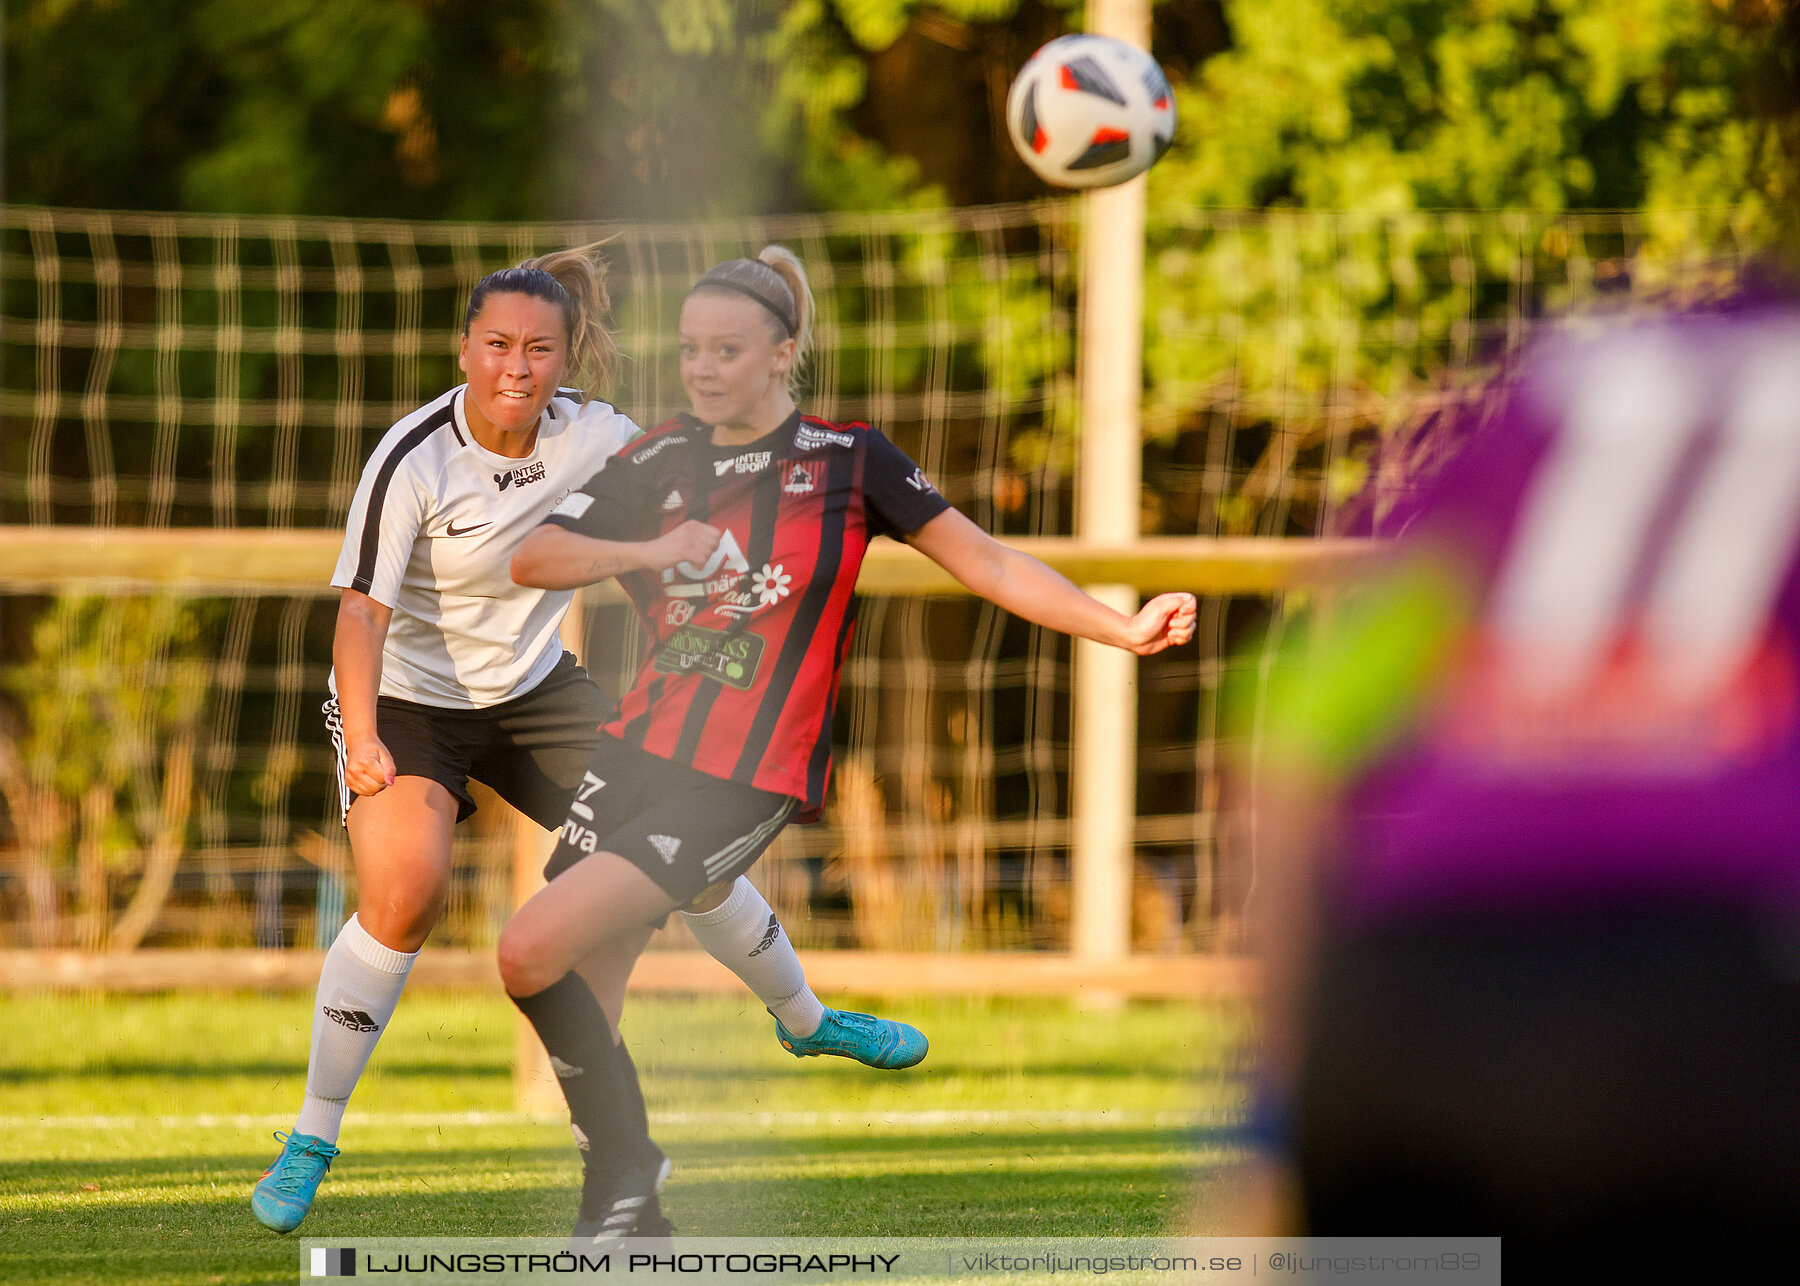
(531, 750)
(685, 829)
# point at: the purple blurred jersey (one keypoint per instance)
(1620, 725)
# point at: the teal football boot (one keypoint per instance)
(285, 1192)
(872, 1041)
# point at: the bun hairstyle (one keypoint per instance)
(575, 281)
(776, 279)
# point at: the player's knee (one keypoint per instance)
(710, 899)
(399, 924)
(525, 969)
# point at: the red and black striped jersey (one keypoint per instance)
(742, 676)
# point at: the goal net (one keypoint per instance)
(164, 774)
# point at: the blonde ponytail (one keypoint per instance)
(786, 265)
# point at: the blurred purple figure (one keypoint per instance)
(1533, 819)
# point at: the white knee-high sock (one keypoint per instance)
(743, 934)
(358, 989)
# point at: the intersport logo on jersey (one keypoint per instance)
(520, 477)
(749, 462)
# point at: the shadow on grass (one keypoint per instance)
(1009, 1142)
(113, 1068)
(1133, 1199)
(836, 1070)
(226, 1168)
(808, 1076)
(949, 1148)
(214, 1239)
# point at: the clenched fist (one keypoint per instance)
(368, 767)
(692, 542)
(1165, 621)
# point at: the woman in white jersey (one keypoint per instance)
(445, 670)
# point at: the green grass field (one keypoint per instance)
(131, 1129)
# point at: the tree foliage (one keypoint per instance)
(680, 108)
(1538, 104)
(1347, 120)
(302, 106)
(101, 777)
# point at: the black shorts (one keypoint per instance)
(685, 829)
(530, 750)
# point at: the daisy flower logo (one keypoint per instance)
(770, 585)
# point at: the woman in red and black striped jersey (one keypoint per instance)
(725, 736)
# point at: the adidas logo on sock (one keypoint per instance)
(768, 937)
(565, 1071)
(354, 1019)
(667, 845)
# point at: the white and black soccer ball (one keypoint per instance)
(1089, 111)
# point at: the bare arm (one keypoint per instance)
(554, 557)
(362, 626)
(1026, 587)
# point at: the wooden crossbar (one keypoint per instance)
(300, 560)
(992, 973)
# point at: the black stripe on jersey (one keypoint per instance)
(821, 755)
(638, 730)
(648, 601)
(371, 532)
(699, 506)
(765, 513)
(460, 440)
(699, 454)
(838, 490)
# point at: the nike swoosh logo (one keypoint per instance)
(451, 530)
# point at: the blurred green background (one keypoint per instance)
(677, 109)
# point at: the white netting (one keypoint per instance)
(172, 371)
(179, 370)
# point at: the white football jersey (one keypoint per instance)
(432, 532)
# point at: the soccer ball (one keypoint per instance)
(1090, 111)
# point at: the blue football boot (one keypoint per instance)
(875, 1042)
(285, 1192)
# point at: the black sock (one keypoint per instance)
(633, 1116)
(598, 1079)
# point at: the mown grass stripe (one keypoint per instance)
(924, 1119)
